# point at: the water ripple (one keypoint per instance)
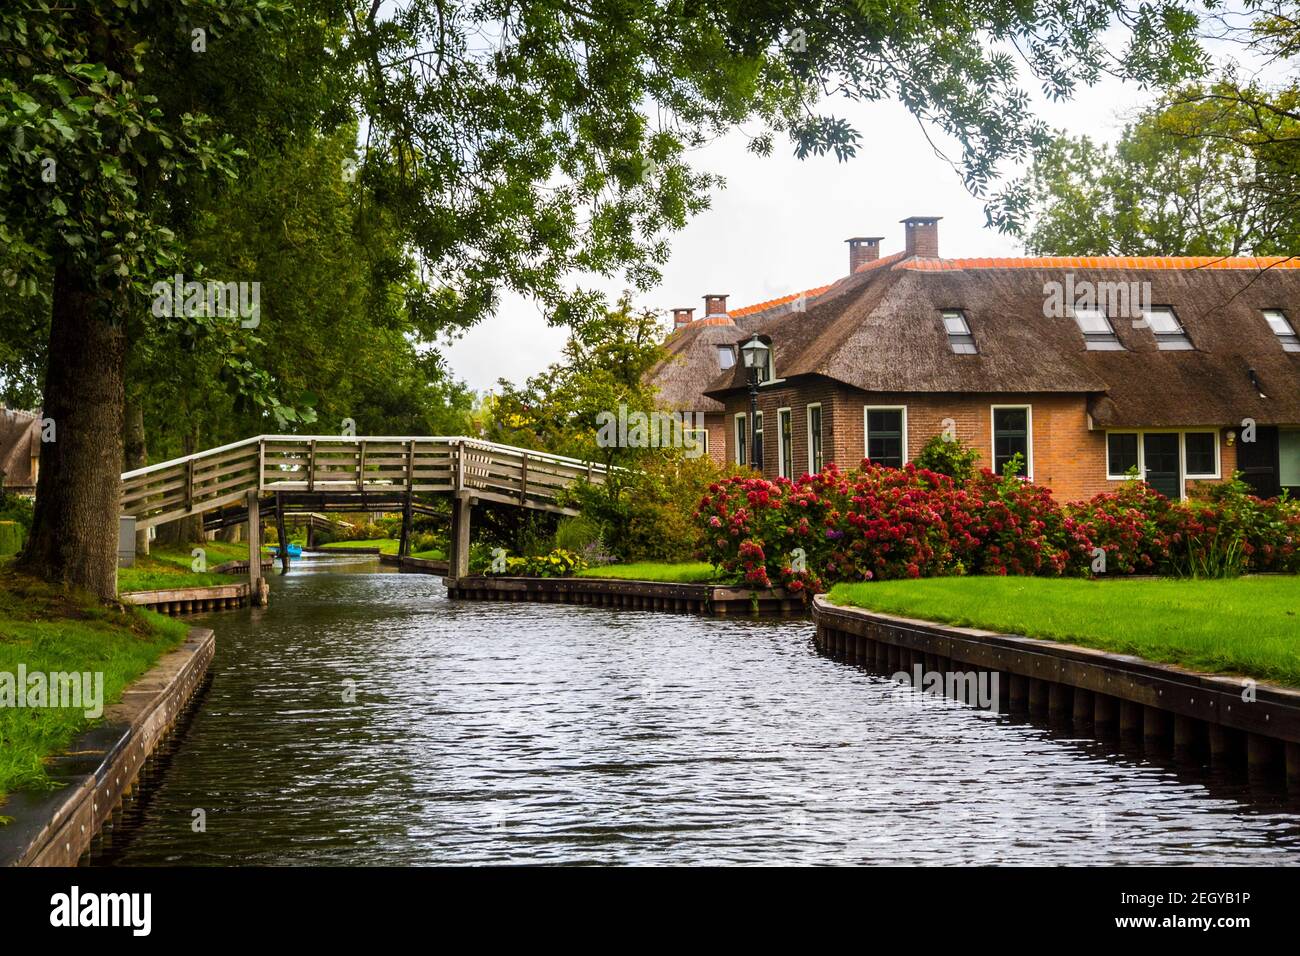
(364, 719)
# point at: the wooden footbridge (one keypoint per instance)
(277, 475)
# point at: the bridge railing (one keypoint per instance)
(343, 466)
(191, 485)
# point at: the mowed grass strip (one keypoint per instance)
(1248, 626)
(49, 631)
(385, 546)
(171, 566)
(686, 572)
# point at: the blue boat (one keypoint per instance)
(295, 550)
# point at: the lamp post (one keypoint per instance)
(754, 353)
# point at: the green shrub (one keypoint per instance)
(558, 564)
(646, 514)
(324, 536)
(424, 541)
(12, 537)
(1226, 531)
(576, 533)
(948, 456)
(17, 509)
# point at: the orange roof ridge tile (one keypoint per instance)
(899, 260)
(1100, 262)
(881, 262)
(773, 303)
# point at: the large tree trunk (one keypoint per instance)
(136, 455)
(74, 530)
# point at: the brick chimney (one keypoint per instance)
(863, 249)
(922, 236)
(682, 317)
(715, 305)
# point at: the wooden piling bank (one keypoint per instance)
(1225, 723)
(173, 601)
(424, 565)
(709, 599)
(105, 763)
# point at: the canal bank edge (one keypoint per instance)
(711, 599)
(100, 766)
(1233, 720)
(173, 601)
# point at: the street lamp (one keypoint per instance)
(754, 353)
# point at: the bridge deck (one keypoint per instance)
(342, 470)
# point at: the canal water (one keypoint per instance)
(364, 719)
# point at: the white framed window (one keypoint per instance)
(1283, 329)
(1198, 454)
(885, 434)
(1123, 451)
(1288, 472)
(726, 357)
(785, 442)
(742, 438)
(1201, 454)
(815, 457)
(1169, 332)
(1098, 333)
(696, 438)
(1013, 434)
(758, 441)
(960, 339)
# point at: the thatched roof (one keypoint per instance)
(880, 330)
(19, 441)
(692, 364)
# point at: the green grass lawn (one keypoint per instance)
(687, 572)
(385, 546)
(47, 631)
(1248, 626)
(170, 566)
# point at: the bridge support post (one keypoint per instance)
(256, 586)
(404, 543)
(281, 535)
(458, 559)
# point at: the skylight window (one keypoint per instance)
(959, 337)
(1098, 334)
(1283, 329)
(1169, 332)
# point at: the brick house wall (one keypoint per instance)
(1067, 456)
(715, 423)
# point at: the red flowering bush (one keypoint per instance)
(1023, 530)
(901, 522)
(1128, 525)
(742, 520)
(876, 523)
(1228, 531)
(1274, 541)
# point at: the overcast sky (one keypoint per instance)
(780, 223)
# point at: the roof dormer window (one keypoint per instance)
(959, 336)
(1169, 332)
(1283, 329)
(1098, 333)
(726, 357)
